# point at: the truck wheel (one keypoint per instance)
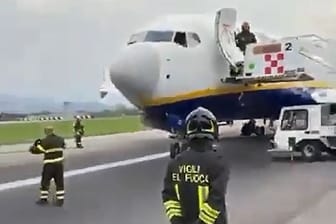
(174, 149)
(311, 151)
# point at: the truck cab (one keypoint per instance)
(306, 129)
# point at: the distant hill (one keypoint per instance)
(14, 104)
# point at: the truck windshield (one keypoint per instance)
(295, 120)
(328, 115)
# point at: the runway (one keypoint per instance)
(260, 190)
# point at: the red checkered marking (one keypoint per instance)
(273, 63)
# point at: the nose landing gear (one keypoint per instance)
(178, 146)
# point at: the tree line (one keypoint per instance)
(115, 111)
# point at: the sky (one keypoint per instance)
(59, 48)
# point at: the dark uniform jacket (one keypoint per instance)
(78, 127)
(195, 187)
(243, 38)
(51, 146)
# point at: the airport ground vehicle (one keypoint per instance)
(308, 130)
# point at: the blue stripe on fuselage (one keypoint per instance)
(253, 104)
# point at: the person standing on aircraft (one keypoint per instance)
(52, 147)
(245, 37)
(79, 132)
(195, 182)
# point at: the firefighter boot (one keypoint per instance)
(42, 202)
(79, 141)
(79, 145)
(59, 203)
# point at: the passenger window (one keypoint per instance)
(193, 39)
(295, 120)
(180, 38)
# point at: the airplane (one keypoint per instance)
(181, 62)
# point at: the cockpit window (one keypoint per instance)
(159, 36)
(188, 39)
(185, 39)
(138, 37)
(180, 38)
(152, 36)
(193, 39)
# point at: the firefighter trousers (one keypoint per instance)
(52, 171)
(78, 139)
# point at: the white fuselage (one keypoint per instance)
(149, 70)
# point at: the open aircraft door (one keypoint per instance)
(225, 24)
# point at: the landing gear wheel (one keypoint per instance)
(311, 151)
(174, 149)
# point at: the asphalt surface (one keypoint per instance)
(260, 190)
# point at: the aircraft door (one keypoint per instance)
(225, 24)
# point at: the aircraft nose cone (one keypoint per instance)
(136, 72)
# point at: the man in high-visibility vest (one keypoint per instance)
(52, 147)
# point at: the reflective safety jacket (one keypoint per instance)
(51, 146)
(195, 187)
(78, 128)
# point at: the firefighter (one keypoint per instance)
(52, 147)
(79, 132)
(195, 181)
(245, 37)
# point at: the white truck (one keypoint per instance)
(307, 130)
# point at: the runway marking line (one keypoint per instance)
(91, 169)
